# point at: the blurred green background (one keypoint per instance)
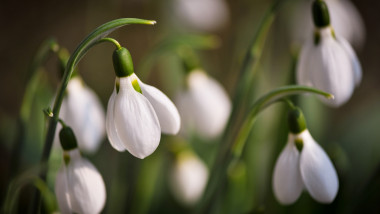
(350, 134)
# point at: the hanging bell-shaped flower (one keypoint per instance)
(79, 187)
(137, 113)
(188, 178)
(327, 61)
(303, 164)
(83, 111)
(204, 106)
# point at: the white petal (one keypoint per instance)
(209, 104)
(347, 21)
(317, 171)
(112, 132)
(188, 179)
(86, 186)
(303, 71)
(165, 109)
(184, 105)
(287, 182)
(83, 111)
(354, 60)
(328, 67)
(61, 191)
(136, 121)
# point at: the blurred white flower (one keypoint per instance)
(188, 178)
(79, 187)
(345, 19)
(135, 120)
(310, 169)
(204, 15)
(205, 106)
(329, 63)
(83, 111)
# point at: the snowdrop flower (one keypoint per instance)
(303, 164)
(137, 113)
(205, 106)
(188, 178)
(345, 19)
(83, 111)
(79, 187)
(328, 62)
(204, 15)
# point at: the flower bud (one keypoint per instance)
(296, 121)
(67, 138)
(321, 15)
(122, 62)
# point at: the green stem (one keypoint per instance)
(235, 148)
(246, 75)
(62, 123)
(112, 40)
(248, 70)
(92, 39)
(289, 103)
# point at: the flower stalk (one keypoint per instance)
(91, 40)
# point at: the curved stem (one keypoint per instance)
(92, 39)
(261, 104)
(288, 102)
(112, 40)
(62, 123)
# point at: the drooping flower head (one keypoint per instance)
(83, 111)
(137, 113)
(303, 165)
(79, 187)
(204, 106)
(345, 18)
(327, 61)
(188, 178)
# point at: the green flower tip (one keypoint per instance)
(330, 97)
(321, 15)
(67, 138)
(299, 144)
(296, 120)
(152, 22)
(122, 62)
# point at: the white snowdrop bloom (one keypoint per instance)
(136, 112)
(188, 178)
(329, 63)
(303, 164)
(204, 106)
(79, 187)
(345, 18)
(310, 169)
(204, 15)
(83, 111)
